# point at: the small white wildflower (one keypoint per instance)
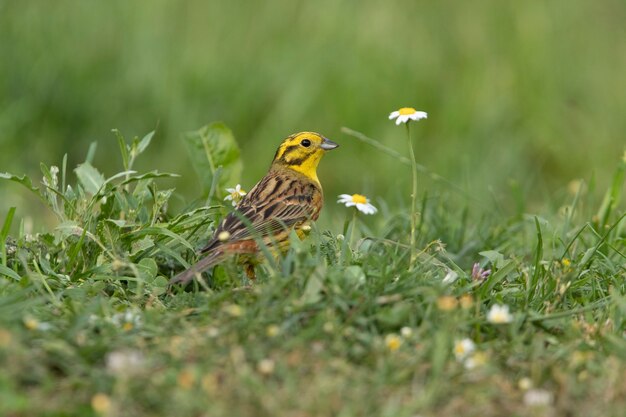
(406, 114)
(525, 383)
(340, 237)
(476, 360)
(234, 310)
(463, 348)
(44, 327)
(32, 323)
(406, 331)
(450, 277)
(499, 314)
(235, 194)
(93, 319)
(54, 172)
(359, 201)
(127, 320)
(124, 361)
(537, 398)
(266, 366)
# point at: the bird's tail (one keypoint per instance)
(199, 267)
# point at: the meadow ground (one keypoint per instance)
(496, 316)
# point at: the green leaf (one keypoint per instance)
(24, 180)
(4, 270)
(215, 157)
(90, 178)
(538, 268)
(141, 245)
(91, 152)
(394, 316)
(495, 257)
(159, 285)
(354, 276)
(148, 268)
(504, 269)
(68, 228)
(4, 233)
(120, 222)
(145, 142)
(148, 175)
(123, 147)
(159, 231)
(612, 197)
(314, 286)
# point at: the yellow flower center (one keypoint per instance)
(405, 111)
(359, 199)
(393, 342)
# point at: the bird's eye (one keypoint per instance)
(306, 143)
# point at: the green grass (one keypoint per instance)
(521, 170)
(338, 326)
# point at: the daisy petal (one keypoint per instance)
(418, 115)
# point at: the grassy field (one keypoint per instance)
(343, 324)
(515, 303)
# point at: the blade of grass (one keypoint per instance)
(537, 273)
(5, 233)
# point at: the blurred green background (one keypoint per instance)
(528, 93)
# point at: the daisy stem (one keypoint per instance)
(413, 196)
(353, 227)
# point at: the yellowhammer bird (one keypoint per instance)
(288, 198)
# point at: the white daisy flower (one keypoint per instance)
(235, 194)
(127, 320)
(359, 201)
(499, 314)
(477, 360)
(463, 349)
(406, 114)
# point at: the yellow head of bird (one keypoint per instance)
(302, 152)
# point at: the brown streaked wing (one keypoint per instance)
(275, 203)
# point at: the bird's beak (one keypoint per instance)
(327, 144)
